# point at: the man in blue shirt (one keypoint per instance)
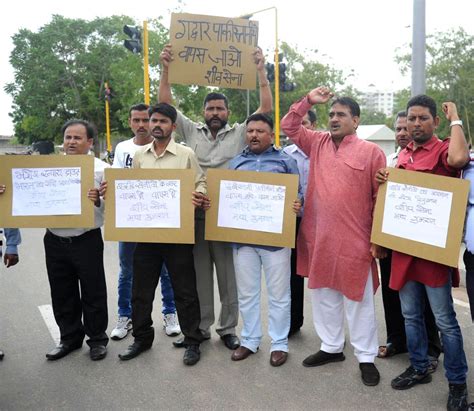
(261, 155)
(13, 238)
(468, 174)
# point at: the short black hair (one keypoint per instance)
(312, 116)
(166, 109)
(400, 114)
(260, 117)
(90, 128)
(138, 107)
(216, 96)
(348, 102)
(424, 101)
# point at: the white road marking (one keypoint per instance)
(48, 317)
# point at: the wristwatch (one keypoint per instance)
(456, 123)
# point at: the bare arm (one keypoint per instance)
(266, 99)
(458, 151)
(164, 90)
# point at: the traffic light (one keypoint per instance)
(284, 86)
(270, 72)
(135, 42)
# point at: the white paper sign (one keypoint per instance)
(46, 191)
(417, 213)
(251, 206)
(147, 204)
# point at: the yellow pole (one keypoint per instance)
(146, 78)
(277, 85)
(107, 119)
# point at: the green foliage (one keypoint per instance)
(449, 75)
(372, 117)
(60, 73)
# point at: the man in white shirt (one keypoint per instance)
(138, 121)
(75, 264)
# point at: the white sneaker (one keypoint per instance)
(171, 325)
(124, 325)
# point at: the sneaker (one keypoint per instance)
(171, 325)
(457, 399)
(124, 325)
(409, 378)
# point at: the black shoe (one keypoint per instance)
(321, 358)
(133, 351)
(457, 399)
(293, 331)
(231, 341)
(62, 350)
(2, 354)
(98, 352)
(370, 374)
(192, 354)
(409, 378)
(179, 343)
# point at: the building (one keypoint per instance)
(378, 101)
(379, 134)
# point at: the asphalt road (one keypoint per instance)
(159, 380)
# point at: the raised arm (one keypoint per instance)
(266, 99)
(458, 151)
(164, 90)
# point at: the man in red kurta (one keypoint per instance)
(334, 239)
(416, 278)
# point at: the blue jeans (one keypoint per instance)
(126, 251)
(441, 301)
(249, 262)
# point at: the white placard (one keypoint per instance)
(46, 191)
(417, 213)
(251, 206)
(147, 204)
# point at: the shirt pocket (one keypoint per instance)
(354, 172)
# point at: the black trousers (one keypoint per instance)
(297, 289)
(468, 258)
(78, 290)
(147, 262)
(394, 320)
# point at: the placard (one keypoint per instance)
(421, 214)
(149, 205)
(47, 191)
(251, 207)
(213, 51)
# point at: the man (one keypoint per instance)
(148, 259)
(334, 239)
(215, 143)
(261, 155)
(138, 120)
(13, 239)
(75, 264)
(394, 322)
(297, 281)
(412, 276)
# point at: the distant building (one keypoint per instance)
(378, 101)
(380, 134)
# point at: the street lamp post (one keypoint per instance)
(277, 73)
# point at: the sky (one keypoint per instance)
(358, 37)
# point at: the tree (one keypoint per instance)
(60, 73)
(449, 75)
(368, 117)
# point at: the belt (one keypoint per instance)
(71, 240)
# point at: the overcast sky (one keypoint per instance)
(359, 35)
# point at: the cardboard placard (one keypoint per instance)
(148, 189)
(45, 189)
(250, 205)
(213, 51)
(421, 214)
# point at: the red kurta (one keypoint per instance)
(334, 237)
(431, 157)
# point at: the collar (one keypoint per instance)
(428, 146)
(171, 147)
(204, 126)
(270, 149)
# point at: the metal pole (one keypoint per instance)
(418, 56)
(248, 103)
(107, 120)
(146, 78)
(277, 85)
